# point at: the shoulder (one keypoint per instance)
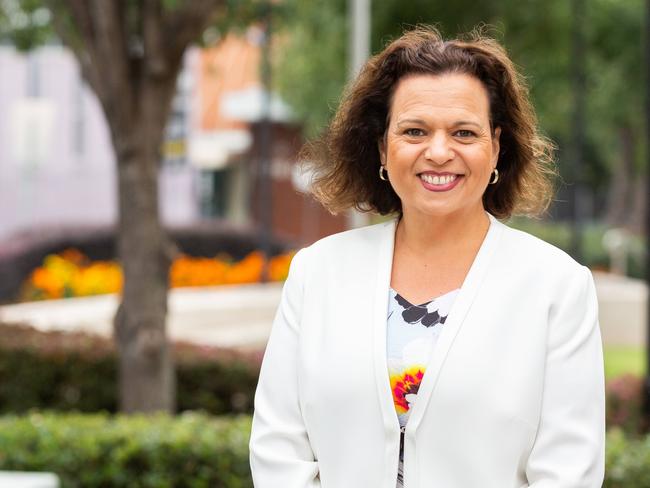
(359, 240)
(344, 255)
(525, 251)
(542, 272)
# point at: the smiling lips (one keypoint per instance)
(439, 181)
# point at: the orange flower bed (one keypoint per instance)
(71, 274)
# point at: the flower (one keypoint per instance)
(72, 274)
(405, 384)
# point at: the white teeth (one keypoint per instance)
(438, 180)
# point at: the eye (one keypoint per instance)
(414, 132)
(465, 133)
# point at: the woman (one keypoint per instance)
(441, 348)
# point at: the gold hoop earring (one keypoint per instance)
(381, 173)
(496, 176)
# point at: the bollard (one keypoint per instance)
(615, 242)
(17, 479)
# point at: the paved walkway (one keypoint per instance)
(241, 316)
(232, 316)
(622, 309)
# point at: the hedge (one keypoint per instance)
(627, 460)
(625, 403)
(59, 371)
(97, 450)
(76, 371)
(189, 450)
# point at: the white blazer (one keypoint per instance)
(513, 394)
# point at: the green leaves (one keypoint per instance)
(191, 450)
(627, 461)
(170, 4)
(24, 23)
(311, 63)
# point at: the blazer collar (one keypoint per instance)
(454, 322)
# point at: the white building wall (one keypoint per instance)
(69, 176)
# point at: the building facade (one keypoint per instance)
(57, 165)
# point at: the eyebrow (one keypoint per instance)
(467, 122)
(455, 124)
(410, 121)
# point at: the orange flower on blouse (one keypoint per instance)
(405, 383)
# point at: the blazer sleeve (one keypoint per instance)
(280, 452)
(569, 449)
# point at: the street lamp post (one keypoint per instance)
(359, 50)
(265, 180)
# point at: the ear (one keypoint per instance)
(496, 145)
(381, 145)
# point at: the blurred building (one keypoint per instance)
(57, 166)
(229, 109)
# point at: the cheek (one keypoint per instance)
(480, 162)
(401, 155)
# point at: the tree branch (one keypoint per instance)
(157, 65)
(69, 34)
(188, 22)
(78, 10)
(110, 41)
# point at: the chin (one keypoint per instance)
(444, 211)
(438, 212)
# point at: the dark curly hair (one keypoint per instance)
(344, 161)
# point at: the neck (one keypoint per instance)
(445, 236)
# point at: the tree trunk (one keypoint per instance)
(619, 200)
(130, 53)
(146, 370)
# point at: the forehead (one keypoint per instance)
(449, 94)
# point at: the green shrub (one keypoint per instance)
(86, 451)
(627, 462)
(190, 450)
(624, 403)
(75, 371)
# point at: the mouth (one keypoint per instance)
(439, 182)
(439, 179)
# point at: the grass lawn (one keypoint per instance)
(624, 359)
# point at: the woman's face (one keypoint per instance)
(438, 148)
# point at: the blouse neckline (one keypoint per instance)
(428, 301)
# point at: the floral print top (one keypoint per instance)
(412, 333)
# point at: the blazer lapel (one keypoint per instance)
(454, 321)
(384, 265)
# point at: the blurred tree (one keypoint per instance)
(616, 90)
(312, 67)
(130, 53)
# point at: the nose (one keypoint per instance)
(438, 149)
